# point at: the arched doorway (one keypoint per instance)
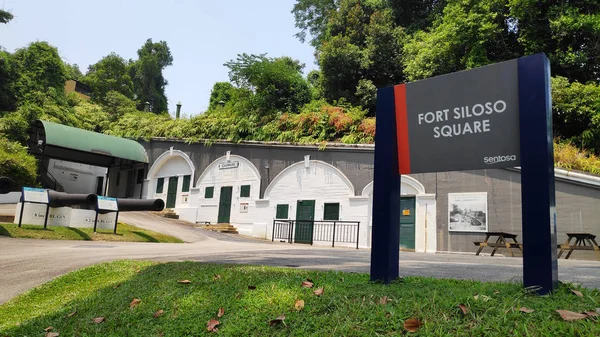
(417, 216)
(170, 178)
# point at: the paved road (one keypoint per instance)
(26, 263)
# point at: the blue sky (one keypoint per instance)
(202, 35)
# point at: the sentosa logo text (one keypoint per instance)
(499, 159)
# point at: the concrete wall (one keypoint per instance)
(577, 205)
(356, 162)
(75, 177)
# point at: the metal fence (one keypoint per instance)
(309, 231)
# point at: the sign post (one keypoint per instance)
(109, 205)
(490, 117)
(34, 196)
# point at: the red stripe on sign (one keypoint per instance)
(402, 129)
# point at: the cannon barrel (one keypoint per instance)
(6, 185)
(60, 199)
(126, 205)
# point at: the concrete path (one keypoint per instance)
(26, 263)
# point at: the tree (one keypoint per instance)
(311, 16)
(576, 112)
(8, 79)
(221, 92)
(111, 73)
(416, 14)
(73, 72)
(470, 34)
(567, 31)
(40, 70)
(277, 83)
(5, 16)
(147, 75)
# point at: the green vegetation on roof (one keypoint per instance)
(94, 142)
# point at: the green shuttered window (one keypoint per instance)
(331, 211)
(186, 184)
(208, 192)
(282, 211)
(159, 185)
(245, 191)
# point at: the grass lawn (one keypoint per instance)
(138, 298)
(125, 232)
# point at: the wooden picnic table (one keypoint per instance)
(501, 242)
(583, 241)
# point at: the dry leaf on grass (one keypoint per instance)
(72, 314)
(98, 320)
(135, 302)
(463, 308)
(252, 287)
(277, 320)
(158, 313)
(570, 315)
(384, 300)
(412, 324)
(217, 276)
(578, 293)
(307, 284)
(212, 325)
(525, 310)
(49, 328)
(51, 334)
(319, 291)
(496, 292)
(483, 298)
(299, 304)
(116, 285)
(185, 281)
(221, 312)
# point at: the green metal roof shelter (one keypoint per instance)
(67, 143)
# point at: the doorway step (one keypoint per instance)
(221, 228)
(167, 213)
(7, 218)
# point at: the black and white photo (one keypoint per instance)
(467, 212)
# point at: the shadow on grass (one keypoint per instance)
(145, 236)
(4, 232)
(79, 232)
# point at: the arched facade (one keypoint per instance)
(170, 178)
(227, 190)
(417, 215)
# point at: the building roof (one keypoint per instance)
(79, 145)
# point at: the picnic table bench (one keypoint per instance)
(583, 241)
(501, 242)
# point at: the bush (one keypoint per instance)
(569, 157)
(17, 164)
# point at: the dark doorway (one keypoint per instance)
(225, 204)
(305, 215)
(172, 192)
(99, 184)
(407, 223)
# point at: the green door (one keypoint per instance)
(172, 192)
(305, 214)
(407, 223)
(225, 205)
